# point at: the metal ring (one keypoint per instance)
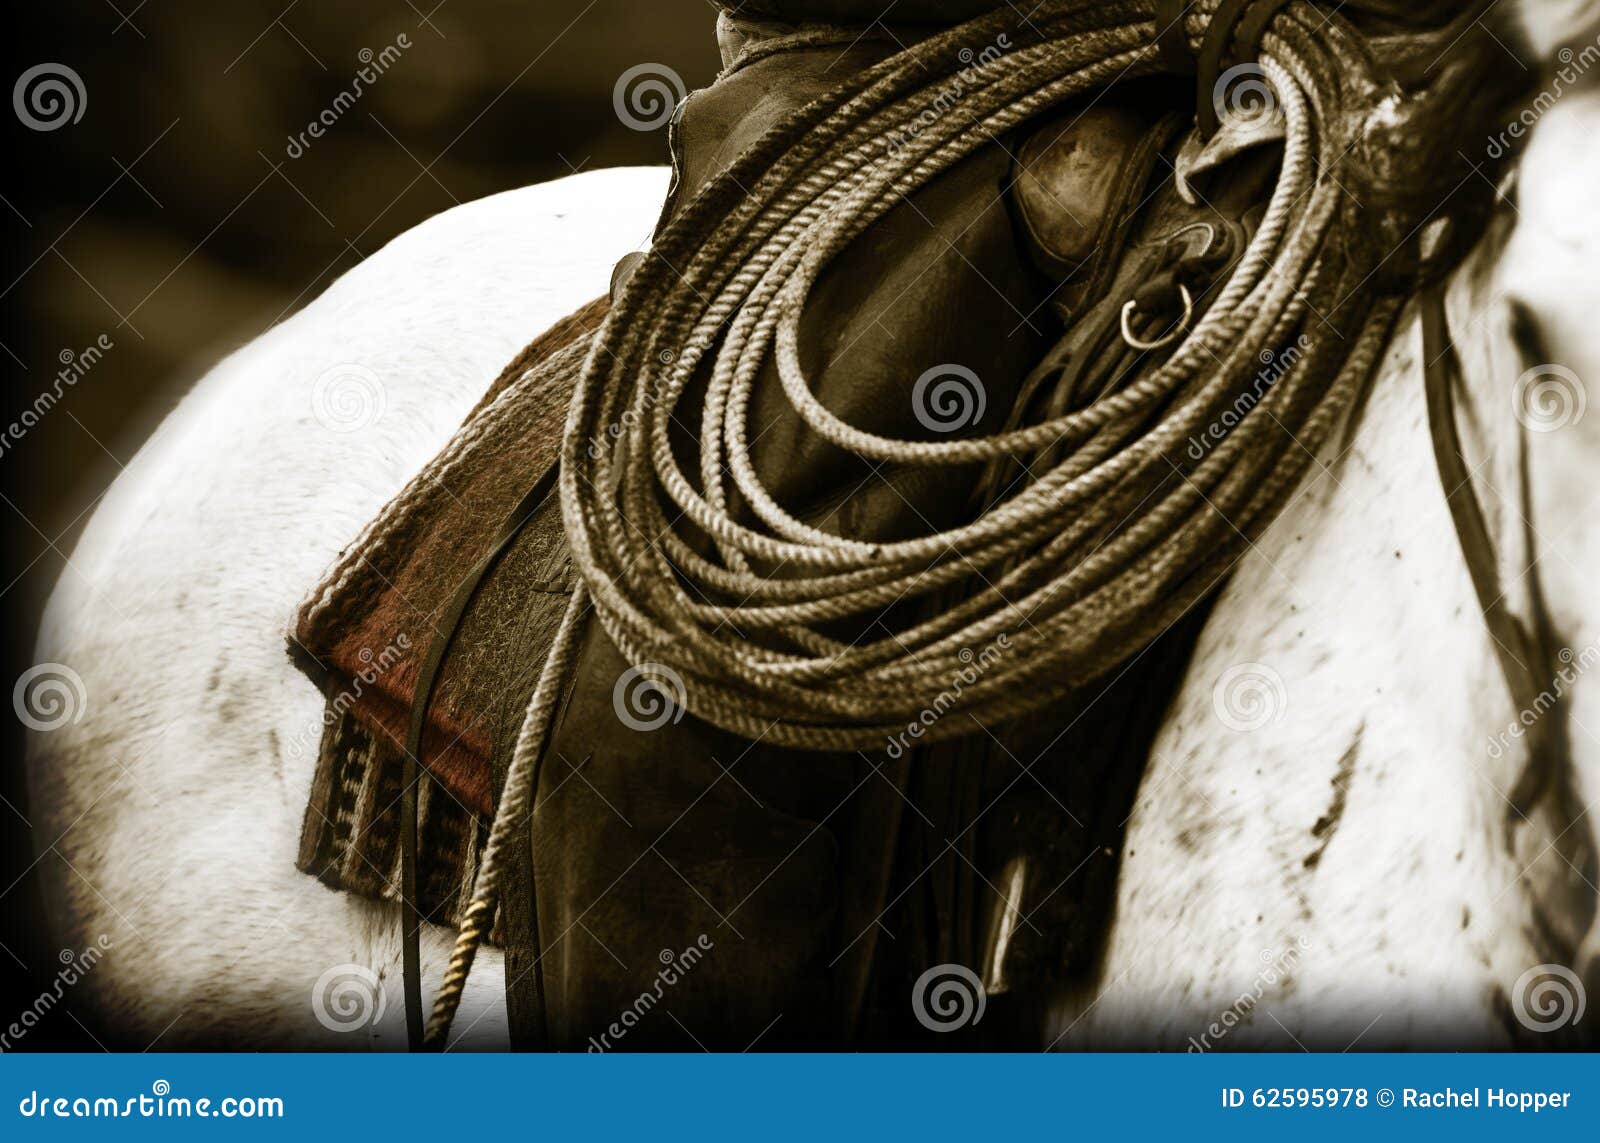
(1167, 338)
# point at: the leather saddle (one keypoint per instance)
(818, 886)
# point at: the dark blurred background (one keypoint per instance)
(171, 222)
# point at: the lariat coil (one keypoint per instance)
(1078, 569)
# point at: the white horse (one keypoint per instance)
(1330, 867)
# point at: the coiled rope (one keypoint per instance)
(1109, 542)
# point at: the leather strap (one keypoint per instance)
(1172, 35)
(410, 915)
(412, 771)
(1235, 33)
(1521, 651)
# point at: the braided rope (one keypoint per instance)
(1113, 538)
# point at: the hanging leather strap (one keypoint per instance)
(1172, 35)
(1521, 651)
(1234, 34)
(412, 772)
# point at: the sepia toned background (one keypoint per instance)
(174, 217)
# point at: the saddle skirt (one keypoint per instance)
(364, 641)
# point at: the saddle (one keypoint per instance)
(1057, 261)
